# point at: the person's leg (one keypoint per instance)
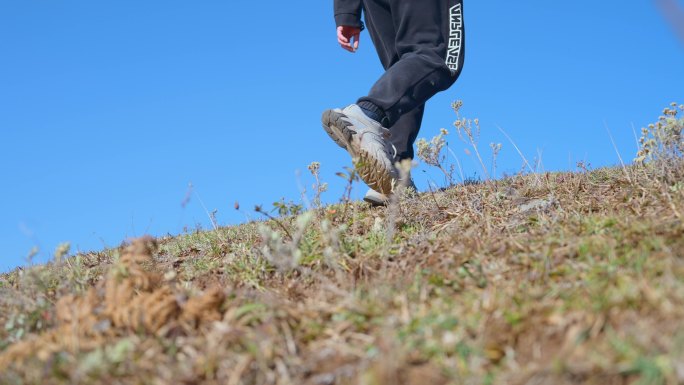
(430, 47)
(405, 131)
(380, 26)
(424, 31)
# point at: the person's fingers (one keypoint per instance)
(344, 42)
(347, 47)
(340, 36)
(349, 43)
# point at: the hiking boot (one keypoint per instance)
(379, 199)
(367, 143)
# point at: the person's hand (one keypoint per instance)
(348, 37)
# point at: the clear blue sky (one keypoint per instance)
(108, 110)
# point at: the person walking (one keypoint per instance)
(421, 45)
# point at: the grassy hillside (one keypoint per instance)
(553, 278)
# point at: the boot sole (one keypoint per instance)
(370, 169)
(332, 131)
(375, 201)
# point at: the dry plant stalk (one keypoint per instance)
(133, 298)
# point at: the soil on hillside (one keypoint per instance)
(556, 278)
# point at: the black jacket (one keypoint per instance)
(348, 12)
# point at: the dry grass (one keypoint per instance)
(555, 278)
(579, 279)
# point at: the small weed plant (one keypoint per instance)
(663, 140)
(434, 152)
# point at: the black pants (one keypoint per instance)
(421, 44)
